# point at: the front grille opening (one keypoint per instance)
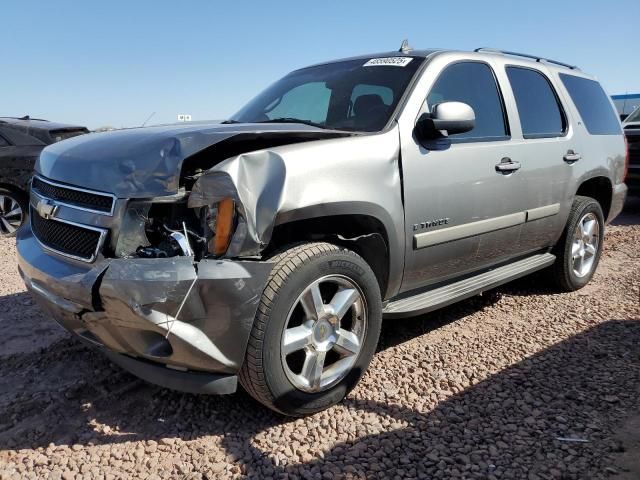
(65, 238)
(92, 201)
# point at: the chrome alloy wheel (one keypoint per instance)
(324, 333)
(10, 215)
(586, 239)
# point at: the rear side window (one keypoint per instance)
(540, 113)
(474, 84)
(592, 104)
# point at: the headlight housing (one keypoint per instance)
(221, 221)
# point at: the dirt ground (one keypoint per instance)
(520, 383)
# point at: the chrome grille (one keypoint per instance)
(66, 238)
(73, 196)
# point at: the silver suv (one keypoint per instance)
(269, 248)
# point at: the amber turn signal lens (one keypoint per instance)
(224, 226)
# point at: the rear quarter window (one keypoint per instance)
(593, 105)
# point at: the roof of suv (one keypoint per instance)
(425, 53)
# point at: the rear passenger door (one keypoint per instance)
(548, 151)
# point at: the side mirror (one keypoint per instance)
(446, 118)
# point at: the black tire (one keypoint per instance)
(563, 273)
(263, 373)
(10, 224)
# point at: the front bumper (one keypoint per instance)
(172, 321)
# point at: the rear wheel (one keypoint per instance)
(316, 329)
(579, 249)
(13, 211)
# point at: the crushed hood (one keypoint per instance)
(147, 162)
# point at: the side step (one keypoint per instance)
(451, 293)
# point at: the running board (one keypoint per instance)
(451, 293)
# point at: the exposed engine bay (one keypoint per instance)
(170, 229)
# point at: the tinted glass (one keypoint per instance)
(3, 142)
(17, 137)
(540, 114)
(359, 95)
(593, 105)
(474, 84)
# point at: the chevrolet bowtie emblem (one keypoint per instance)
(46, 208)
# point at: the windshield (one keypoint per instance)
(634, 117)
(355, 95)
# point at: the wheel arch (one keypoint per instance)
(600, 189)
(362, 228)
(13, 188)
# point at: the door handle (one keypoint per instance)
(571, 156)
(507, 166)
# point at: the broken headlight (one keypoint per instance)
(160, 230)
(220, 220)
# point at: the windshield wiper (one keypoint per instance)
(293, 120)
(231, 120)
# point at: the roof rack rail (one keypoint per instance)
(525, 55)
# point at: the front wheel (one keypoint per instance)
(315, 331)
(13, 211)
(579, 249)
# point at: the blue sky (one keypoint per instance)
(116, 62)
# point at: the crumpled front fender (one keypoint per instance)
(255, 182)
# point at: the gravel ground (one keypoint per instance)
(520, 383)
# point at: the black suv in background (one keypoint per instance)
(21, 141)
(632, 133)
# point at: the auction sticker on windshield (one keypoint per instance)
(388, 61)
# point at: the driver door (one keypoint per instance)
(461, 212)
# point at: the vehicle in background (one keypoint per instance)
(632, 132)
(21, 141)
(625, 104)
(632, 120)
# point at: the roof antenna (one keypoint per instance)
(405, 48)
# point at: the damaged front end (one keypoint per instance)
(175, 321)
(172, 285)
(172, 281)
(163, 302)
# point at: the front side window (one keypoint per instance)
(472, 83)
(540, 113)
(593, 105)
(355, 95)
